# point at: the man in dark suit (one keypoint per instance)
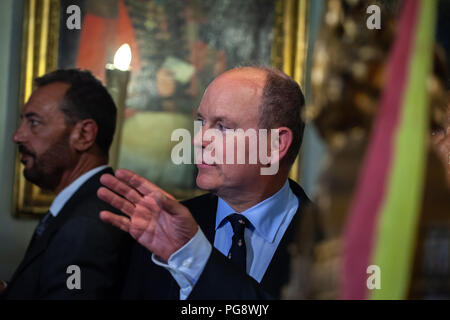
(233, 242)
(66, 131)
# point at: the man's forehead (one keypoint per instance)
(230, 102)
(46, 97)
(247, 76)
(235, 95)
(245, 86)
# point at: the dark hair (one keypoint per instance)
(86, 98)
(281, 105)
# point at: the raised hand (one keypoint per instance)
(155, 219)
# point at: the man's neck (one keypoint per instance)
(83, 165)
(241, 200)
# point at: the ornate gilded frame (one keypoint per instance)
(39, 56)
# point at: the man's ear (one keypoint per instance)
(285, 138)
(83, 135)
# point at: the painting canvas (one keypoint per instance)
(178, 47)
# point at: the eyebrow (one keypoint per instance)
(29, 115)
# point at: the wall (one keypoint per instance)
(14, 233)
(314, 150)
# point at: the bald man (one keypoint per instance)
(231, 243)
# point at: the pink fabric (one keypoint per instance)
(359, 241)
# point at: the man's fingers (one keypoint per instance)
(116, 220)
(120, 188)
(116, 201)
(139, 183)
(136, 181)
(149, 202)
(168, 204)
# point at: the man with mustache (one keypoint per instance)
(66, 130)
(231, 243)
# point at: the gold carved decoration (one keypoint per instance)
(39, 56)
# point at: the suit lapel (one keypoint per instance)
(204, 209)
(40, 244)
(277, 273)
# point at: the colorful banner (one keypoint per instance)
(382, 224)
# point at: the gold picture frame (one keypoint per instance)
(289, 48)
(39, 56)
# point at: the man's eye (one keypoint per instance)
(202, 121)
(437, 130)
(221, 127)
(33, 123)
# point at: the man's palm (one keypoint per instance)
(155, 219)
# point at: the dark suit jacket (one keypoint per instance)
(76, 236)
(220, 279)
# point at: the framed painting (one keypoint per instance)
(177, 48)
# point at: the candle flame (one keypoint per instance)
(122, 58)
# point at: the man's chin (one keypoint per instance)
(206, 183)
(30, 176)
(36, 179)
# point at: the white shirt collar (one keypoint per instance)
(64, 196)
(266, 216)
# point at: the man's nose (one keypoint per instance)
(198, 140)
(19, 135)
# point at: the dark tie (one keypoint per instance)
(238, 252)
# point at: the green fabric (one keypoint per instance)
(400, 212)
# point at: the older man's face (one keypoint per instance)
(230, 102)
(43, 137)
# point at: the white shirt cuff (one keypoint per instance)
(187, 263)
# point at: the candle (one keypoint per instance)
(117, 77)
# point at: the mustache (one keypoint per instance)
(24, 150)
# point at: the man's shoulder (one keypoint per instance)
(300, 193)
(85, 202)
(80, 217)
